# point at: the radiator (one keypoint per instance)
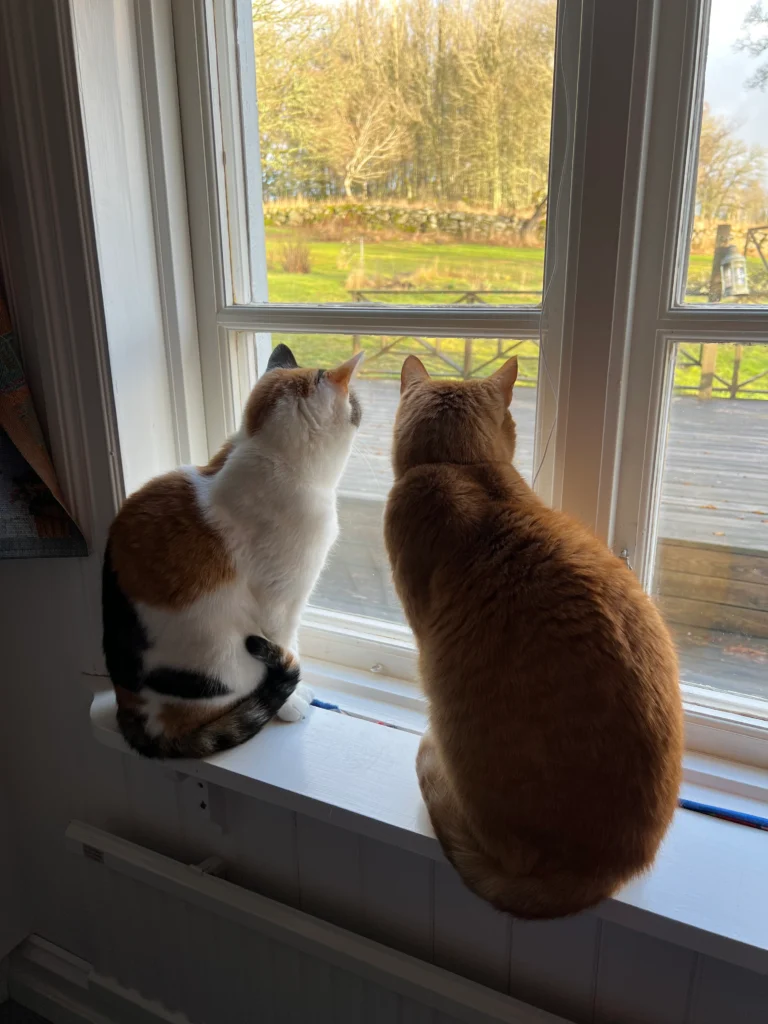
(198, 945)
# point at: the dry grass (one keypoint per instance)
(295, 258)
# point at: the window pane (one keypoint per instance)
(404, 148)
(712, 554)
(357, 577)
(728, 250)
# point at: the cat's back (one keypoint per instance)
(162, 546)
(501, 589)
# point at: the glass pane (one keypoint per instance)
(712, 554)
(357, 578)
(404, 148)
(728, 250)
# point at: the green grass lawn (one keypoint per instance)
(442, 357)
(410, 266)
(337, 267)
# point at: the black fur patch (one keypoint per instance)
(264, 650)
(281, 358)
(356, 413)
(235, 726)
(178, 682)
(280, 681)
(124, 638)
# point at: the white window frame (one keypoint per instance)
(614, 61)
(735, 726)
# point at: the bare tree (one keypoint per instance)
(436, 100)
(754, 41)
(729, 169)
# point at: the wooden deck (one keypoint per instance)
(713, 560)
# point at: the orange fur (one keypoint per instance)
(270, 389)
(127, 700)
(553, 758)
(163, 551)
(180, 720)
(218, 460)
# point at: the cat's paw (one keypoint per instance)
(297, 705)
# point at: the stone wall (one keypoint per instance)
(463, 224)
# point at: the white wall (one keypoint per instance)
(13, 921)
(582, 968)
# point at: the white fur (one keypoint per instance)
(274, 505)
(297, 705)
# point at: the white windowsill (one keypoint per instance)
(708, 890)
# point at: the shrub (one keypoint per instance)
(296, 258)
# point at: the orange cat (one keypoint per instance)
(552, 762)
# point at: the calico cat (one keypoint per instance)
(207, 570)
(552, 761)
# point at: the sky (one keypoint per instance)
(728, 69)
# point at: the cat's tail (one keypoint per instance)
(193, 729)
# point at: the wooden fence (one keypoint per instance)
(713, 384)
(433, 350)
(713, 587)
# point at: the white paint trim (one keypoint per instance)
(106, 49)
(55, 273)
(65, 989)
(398, 972)
(168, 191)
(427, 321)
(228, 134)
(663, 231)
(205, 198)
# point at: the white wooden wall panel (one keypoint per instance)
(554, 965)
(348, 998)
(725, 994)
(415, 1014)
(288, 992)
(642, 980)
(248, 964)
(12, 904)
(398, 898)
(330, 876)
(261, 847)
(458, 914)
(581, 968)
(381, 1006)
(153, 799)
(318, 984)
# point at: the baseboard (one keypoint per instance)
(66, 990)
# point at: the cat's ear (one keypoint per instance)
(413, 370)
(343, 374)
(281, 358)
(505, 378)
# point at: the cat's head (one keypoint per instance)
(306, 416)
(459, 422)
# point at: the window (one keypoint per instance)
(711, 556)
(691, 504)
(404, 149)
(382, 182)
(582, 184)
(728, 245)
